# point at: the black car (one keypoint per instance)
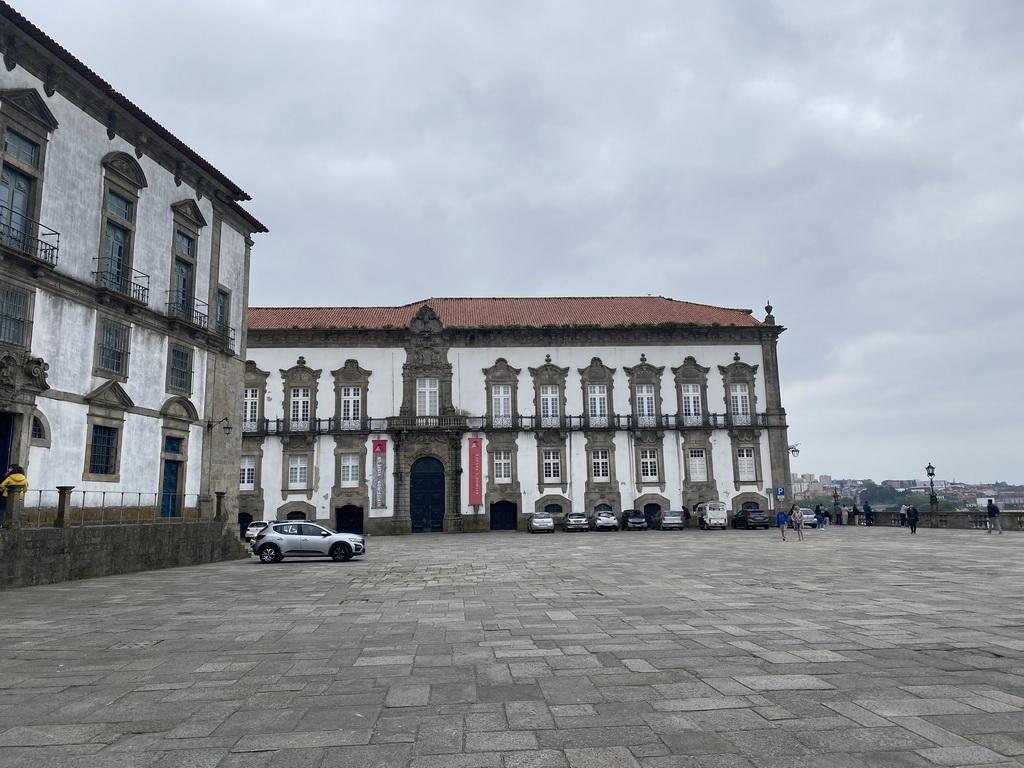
(750, 518)
(634, 520)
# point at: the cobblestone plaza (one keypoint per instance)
(858, 647)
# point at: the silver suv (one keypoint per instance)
(300, 538)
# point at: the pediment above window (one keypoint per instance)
(126, 167)
(189, 210)
(110, 395)
(180, 409)
(31, 105)
(501, 371)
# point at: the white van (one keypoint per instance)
(712, 514)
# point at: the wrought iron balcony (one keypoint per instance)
(183, 306)
(225, 333)
(27, 236)
(114, 276)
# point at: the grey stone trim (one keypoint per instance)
(649, 439)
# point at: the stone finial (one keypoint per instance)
(643, 358)
(769, 318)
(547, 358)
(736, 357)
(301, 360)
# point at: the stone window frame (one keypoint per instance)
(177, 431)
(739, 373)
(43, 439)
(351, 375)
(107, 407)
(502, 374)
(502, 441)
(601, 440)
(499, 457)
(597, 373)
(645, 374)
(187, 219)
(253, 446)
(358, 463)
(549, 375)
(704, 490)
(298, 376)
(346, 444)
(28, 320)
(190, 352)
(750, 439)
(23, 111)
(102, 320)
(559, 499)
(241, 468)
(298, 445)
(254, 378)
(122, 176)
(552, 440)
(426, 358)
(691, 373)
(647, 440)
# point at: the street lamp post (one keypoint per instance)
(933, 500)
(837, 510)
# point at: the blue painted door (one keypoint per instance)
(169, 504)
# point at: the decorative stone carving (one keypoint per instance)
(126, 167)
(21, 377)
(31, 104)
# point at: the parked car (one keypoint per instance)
(667, 519)
(750, 518)
(255, 527)
(604, 521)
(634, 520)
(712, 514)
(575, 521)
(540, 522)
(294, 538)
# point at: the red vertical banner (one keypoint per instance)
(476, 470)
(378, 481)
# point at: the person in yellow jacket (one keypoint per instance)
(15, 477)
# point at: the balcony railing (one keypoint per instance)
(481, 423)
(183, 306)
(23, 234)
(112, 276)
(225, 333)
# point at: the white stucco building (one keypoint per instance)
(124, 262)
(471, 414)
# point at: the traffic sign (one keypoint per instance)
(780, 491)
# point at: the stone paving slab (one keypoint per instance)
(504, 650)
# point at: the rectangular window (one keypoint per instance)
(114, 269)
(550, 406)
(600, 465)
(349, 470)
(649, 464)
(693, 413)
(503, 466)
(426, 397)
(597, 405)
(501, 405)
(180, 373)
(21, 148)
(351, 405)
(740, 401)
(103, 456)
(645, 405)
(250, 409)
(184, 244)
(745, 464)
(13, 315)
(119, 206)
(172, 445)
(300, 407)
(112, 348)
(247, 474)
(552, 466)
(698, 465)
(298, 472)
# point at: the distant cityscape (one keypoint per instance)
(887, 492)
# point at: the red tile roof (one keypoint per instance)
(605, 312)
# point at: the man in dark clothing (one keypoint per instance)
(993, 517)
(869, 514)
(912, 516)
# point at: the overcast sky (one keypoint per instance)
(857, 162)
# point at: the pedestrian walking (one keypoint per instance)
(797, 516)
(15, 480)
(869, 514)
(686, 517)
(782, 520)
(819, 518)
(993, 517)
(912, 516)
(903, 516)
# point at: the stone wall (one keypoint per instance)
(50, 555)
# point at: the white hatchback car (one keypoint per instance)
(540, 522)
(255, 527)
(301, 538)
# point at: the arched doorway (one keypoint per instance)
(244, 518)
(426, 495)
(650, 510)
(297, 515)
(503, 516)
(349, 519)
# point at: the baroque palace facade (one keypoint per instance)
(124, 267)
(471, 414)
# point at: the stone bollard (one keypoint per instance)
(12, 518)
(63, 505)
